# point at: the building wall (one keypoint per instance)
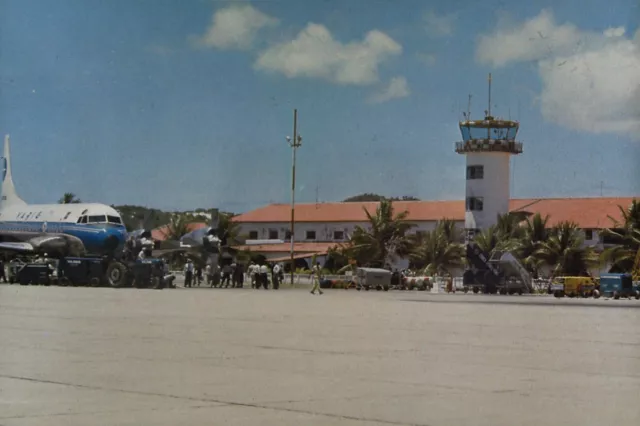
(493, 188)
(324, 231)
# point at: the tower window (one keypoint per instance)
(475, 204)
(475, 172)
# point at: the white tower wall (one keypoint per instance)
(492, 188)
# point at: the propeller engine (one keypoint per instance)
(206, 237)
(141, 239)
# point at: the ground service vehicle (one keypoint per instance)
(368, 278)
(617, 286)
(573, 286)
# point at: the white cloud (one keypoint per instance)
(428, 59)
(235, 27)
(397, 88)
(590, 80)
(315, 53)
(439, 25)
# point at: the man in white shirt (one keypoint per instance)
(264, 276)
(275, 276)
(188, 273)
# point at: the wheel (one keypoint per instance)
(519, 292)
(64, 281)
(366, 288)
(94, 282)
(596, 294)
(476, 290)
(385, 288)
(616, 295)
(466, 290)
(116, 274)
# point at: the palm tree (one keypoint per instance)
(69, 198)
(229, 230)
(385, 239)
(564, 251)
(534, 234)
(178, 225)
(440, 250)
(627, 234)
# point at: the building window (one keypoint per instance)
(338, 235)
(253, 235)
(273, 234)
(475, 172)
(311, 235)
(287, 235)
(475, 204)
(588, 234)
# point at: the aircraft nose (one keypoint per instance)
(111, 242)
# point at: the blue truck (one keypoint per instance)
(617, 286)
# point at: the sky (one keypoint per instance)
(185, 104)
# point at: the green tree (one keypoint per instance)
(534, 233)
(626, 235)
(178, 225)
(564, 251)
(69, 198)
(439, 250)
(383, 240)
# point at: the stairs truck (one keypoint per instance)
(499, 273)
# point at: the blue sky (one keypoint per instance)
(180, 105)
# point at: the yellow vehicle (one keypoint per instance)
(573, 286)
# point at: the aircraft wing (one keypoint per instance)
(31, 242)
(19, 247)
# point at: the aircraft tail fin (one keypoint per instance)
(9, 195)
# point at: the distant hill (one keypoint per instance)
(132, 216)
(377, 197)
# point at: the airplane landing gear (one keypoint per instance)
(116, 273)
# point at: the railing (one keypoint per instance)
(489, 145)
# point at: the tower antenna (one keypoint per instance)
(469, 108)
(489, 109)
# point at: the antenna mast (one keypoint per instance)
(469, 108)
(489, 109)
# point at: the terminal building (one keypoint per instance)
(320, 226)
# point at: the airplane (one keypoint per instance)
(82, 229)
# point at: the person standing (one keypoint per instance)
(264, 276)
(315, 278)
(275, 276)
(226, 275)
(188, 273)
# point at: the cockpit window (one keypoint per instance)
(83, 219)
(114, 219)
(97, 219)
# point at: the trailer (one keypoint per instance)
(369, 278)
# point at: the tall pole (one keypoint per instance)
(295, 143)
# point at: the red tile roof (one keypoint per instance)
(586, 212)
(286, 247)
(160, 234)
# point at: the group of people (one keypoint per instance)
(261, 275)
(233, 275)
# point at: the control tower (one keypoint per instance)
(488, 145)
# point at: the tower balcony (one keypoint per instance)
(489, 145)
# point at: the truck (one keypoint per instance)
(617, 286)
(573, 286)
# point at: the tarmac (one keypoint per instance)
(94, 356)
